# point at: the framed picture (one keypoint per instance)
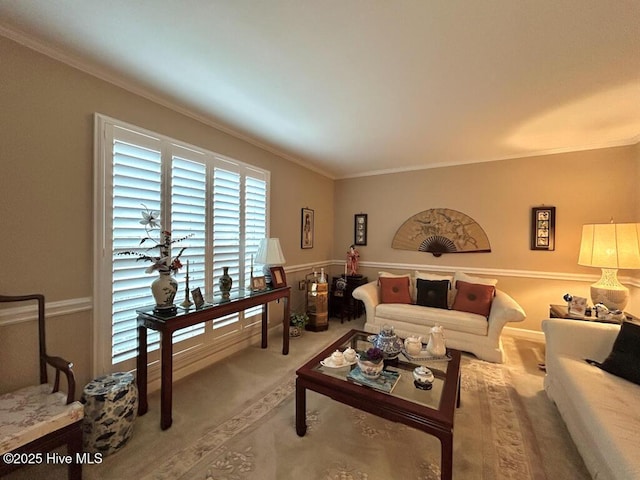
(197, 297)
(578, 306)
(258, 283)
(278, 277)
(360, 229)
(306, 230)
(543, 228)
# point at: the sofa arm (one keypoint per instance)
(504, 309)
(370, 296)
(580, 339)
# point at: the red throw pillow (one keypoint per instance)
(474, 298)
(394, 290)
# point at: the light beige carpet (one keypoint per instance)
(235, 420)
(493, 439)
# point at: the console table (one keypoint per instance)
(167, 324)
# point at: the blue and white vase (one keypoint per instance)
(164, 290)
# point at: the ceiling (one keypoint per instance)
(360, 87)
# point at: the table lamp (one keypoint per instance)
(610, 246)
(269, 254)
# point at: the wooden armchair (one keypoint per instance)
(39, 418)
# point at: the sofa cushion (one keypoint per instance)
(394, 289)
(424, 317)
(474, 298)
(624, 359)
(412, 285)
(432, 293)
(435, 276)
(461, 276)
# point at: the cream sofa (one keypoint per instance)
(600, 409)
(464, 331)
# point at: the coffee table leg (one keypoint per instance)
(446, 457)
(301, 409)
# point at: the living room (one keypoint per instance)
(47, 193)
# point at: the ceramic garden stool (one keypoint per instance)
(110, 409)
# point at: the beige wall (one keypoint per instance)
(46, 188)
(585, 187)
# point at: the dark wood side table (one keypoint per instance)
(561, 311)
(341, 301)
(168, 324)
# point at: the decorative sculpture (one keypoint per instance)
(353, 257)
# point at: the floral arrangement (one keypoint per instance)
(298, 319)
(373, 355)
(163, 261)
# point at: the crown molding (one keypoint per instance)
(89, 68)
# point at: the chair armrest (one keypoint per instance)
(504, 309)
(369, 295)
(62, 365)
(580, 339)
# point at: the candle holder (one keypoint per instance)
(187, 301)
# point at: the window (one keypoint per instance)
(219, 203)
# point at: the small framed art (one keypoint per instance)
(278, 277)
(258, 283)
(197, 297)
(306, 228)
(543, 228)
(360, 229)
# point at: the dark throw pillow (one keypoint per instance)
(432, 293)
(394, 290)
(474, 298)
(624, 359)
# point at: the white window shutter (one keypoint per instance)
(136, 181)
(218, 205)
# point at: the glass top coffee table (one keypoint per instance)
(431, 411)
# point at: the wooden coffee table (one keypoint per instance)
(431, 411)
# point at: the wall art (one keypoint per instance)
(360, 229)
(441, 230)
(543, 228)
(306, 229)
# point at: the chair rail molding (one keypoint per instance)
(501, 272)
(12, 316)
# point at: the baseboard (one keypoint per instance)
(524, 334)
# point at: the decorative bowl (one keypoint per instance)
(370, 369)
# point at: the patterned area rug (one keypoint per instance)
(493, 439)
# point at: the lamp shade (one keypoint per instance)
(269, 252)
(610, 245)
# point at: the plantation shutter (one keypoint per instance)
(255, 226)
(188, 219)
(226, 234)
(136, 177)
(214, 206)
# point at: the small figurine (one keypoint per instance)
(352, 260)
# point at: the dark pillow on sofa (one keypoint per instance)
(474, 298)
(433, 293)
(394, 290)
(624, 359)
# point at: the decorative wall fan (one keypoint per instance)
(441, 230)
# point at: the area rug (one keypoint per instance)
(493, 439)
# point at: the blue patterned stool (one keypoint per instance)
(110, 409)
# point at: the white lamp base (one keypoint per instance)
(609, 291)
